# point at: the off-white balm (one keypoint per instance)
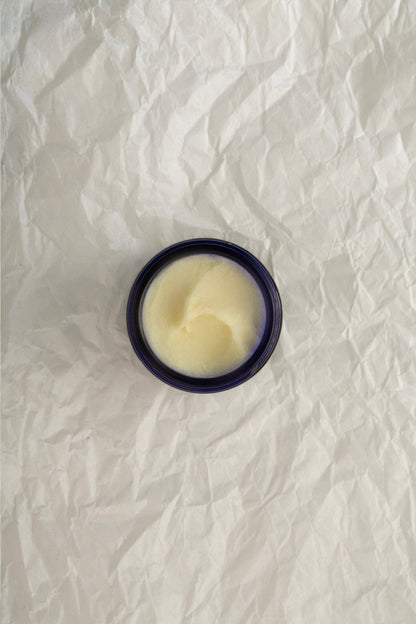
(203, 315)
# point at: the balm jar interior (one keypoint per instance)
(204, 315)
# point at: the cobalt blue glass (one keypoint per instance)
(272, 326)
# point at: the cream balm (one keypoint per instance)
(203, 315)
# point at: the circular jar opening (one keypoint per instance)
(204, 315)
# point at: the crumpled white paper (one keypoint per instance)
(287, 127)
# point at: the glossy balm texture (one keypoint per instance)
(203, 315)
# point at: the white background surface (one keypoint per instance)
(287, 127)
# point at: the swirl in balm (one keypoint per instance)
(203, 315)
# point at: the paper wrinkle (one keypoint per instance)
(287, 128)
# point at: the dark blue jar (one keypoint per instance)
(272, 325)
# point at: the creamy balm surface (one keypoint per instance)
(203, 315)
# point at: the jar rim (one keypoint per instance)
(266, 345)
